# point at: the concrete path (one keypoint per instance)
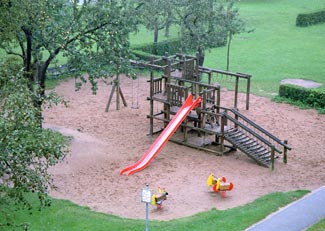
(297, 216)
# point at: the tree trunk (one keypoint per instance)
(201, 56)
(200, 62)
(40, 75)
(155, 35)
(228, 50)
(168, 23)
(155, 40)
(28, 58)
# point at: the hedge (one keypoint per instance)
(310, 18)
(171, 46)
(310, 97)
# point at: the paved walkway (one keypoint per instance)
(297, 216)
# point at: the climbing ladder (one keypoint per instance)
(251, 139)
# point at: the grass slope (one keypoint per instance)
(63, 215)
(277, 49)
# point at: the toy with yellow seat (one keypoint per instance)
(219, 184)
(159, 197)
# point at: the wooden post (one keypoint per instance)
(168, 69)
(197, 64)
(248, 91)
(285, 153)
(272, 158)
(151, 100)
(184, 68)
(218, 99)
(185, 130)
(236, 93)
(167, 89)
(209, 77)
(117, 92)
(110, 97)
(117, 88)
(222, 138)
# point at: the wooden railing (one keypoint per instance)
(242, 122)
(157, 85)
(284, 144)
(176, 94)
(227, 74)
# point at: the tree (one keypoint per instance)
(157, 15)
(233, 24)
(202, 24)
(92, 35)
(26, 150)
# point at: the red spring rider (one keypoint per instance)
(219, 184)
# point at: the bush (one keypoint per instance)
(27, 150)
(171, 46)
(310, 97)
(144, 56)
(310, 18)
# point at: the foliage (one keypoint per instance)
(170, 46)
(233, 24)
(298, 104)
(157, 15)
(144, 56)
(64, 215)
(26, 150)
(202, 24)
(310, 18)
(92, 35)
(308, 97)
(320, 226)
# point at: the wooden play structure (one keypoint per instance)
(210, 127)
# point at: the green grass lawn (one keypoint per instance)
(277, 49)
(319, 226)
(63, 215)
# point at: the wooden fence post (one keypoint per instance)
(285, 153)
(272, 158)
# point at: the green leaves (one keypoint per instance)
(205, 24)
(26, 150)
(92, 36)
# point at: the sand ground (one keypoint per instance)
(106, 142)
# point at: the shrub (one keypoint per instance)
(310, 18)
(171, 46)
(310, 97)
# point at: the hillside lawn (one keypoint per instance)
(276, 50)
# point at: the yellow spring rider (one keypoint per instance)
(159, 198)
(219, 184)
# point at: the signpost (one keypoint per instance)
(146, 197)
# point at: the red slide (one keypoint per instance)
(163, 137)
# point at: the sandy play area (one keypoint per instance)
(106, 142)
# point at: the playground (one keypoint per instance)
(105, 142)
